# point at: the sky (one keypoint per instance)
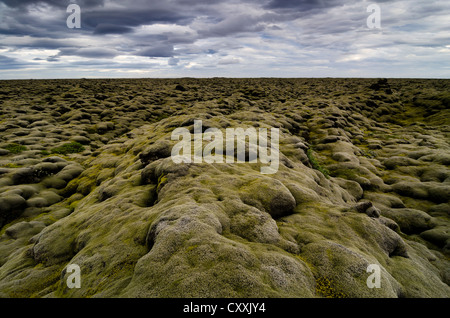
(224, 38)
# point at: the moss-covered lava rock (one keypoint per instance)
(88, 179)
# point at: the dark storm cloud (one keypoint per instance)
(88, 52)
(34, 23)
(132, 17)
(47, 44)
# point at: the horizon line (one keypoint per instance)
(218, 77)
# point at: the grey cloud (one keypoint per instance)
(111, 29)
(314, 29)
(47, 44)
(24, 3)
(309, 5)
(110, 64)
(173, 61)
(160, 50)
(232, 25)
(6, 60)
(228, 61)
(133, 17)
(8, 63)
(55, 3)
(275, 28)
(96, 19)
(88, 52)
(54, 58)
(50, 24)
(304, 5)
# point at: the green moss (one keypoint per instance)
(348, 174)
(72, 147)
(327, 288)
(15, 148)
(48, 282)
(91, 129)
(311, 267)
(316, 165)
(368, 154)
(11, 165)
(162, 116)
(162, 180)
(190, 248)
(114, 273)
(45, 215)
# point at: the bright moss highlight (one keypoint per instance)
(15, 148)
(72, 147)
(316, 165)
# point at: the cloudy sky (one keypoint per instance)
(228, 38)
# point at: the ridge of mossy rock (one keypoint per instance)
(389, 223)
(70, 172)
(393, 162)
(54, 159)
(302, 194)
(439, 236)
(81, 139)
(24, 229)
(153, 171)
(368, 208)
(256, 226)
(432, 191)
(11, 206)
(24, 175)
(4, 152)
(384, 199)
(347, 270)
(159, 150)
(409, 189)
(269, 195)
(411, 221)
(352, 187)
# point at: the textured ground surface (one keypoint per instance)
(86, 178)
